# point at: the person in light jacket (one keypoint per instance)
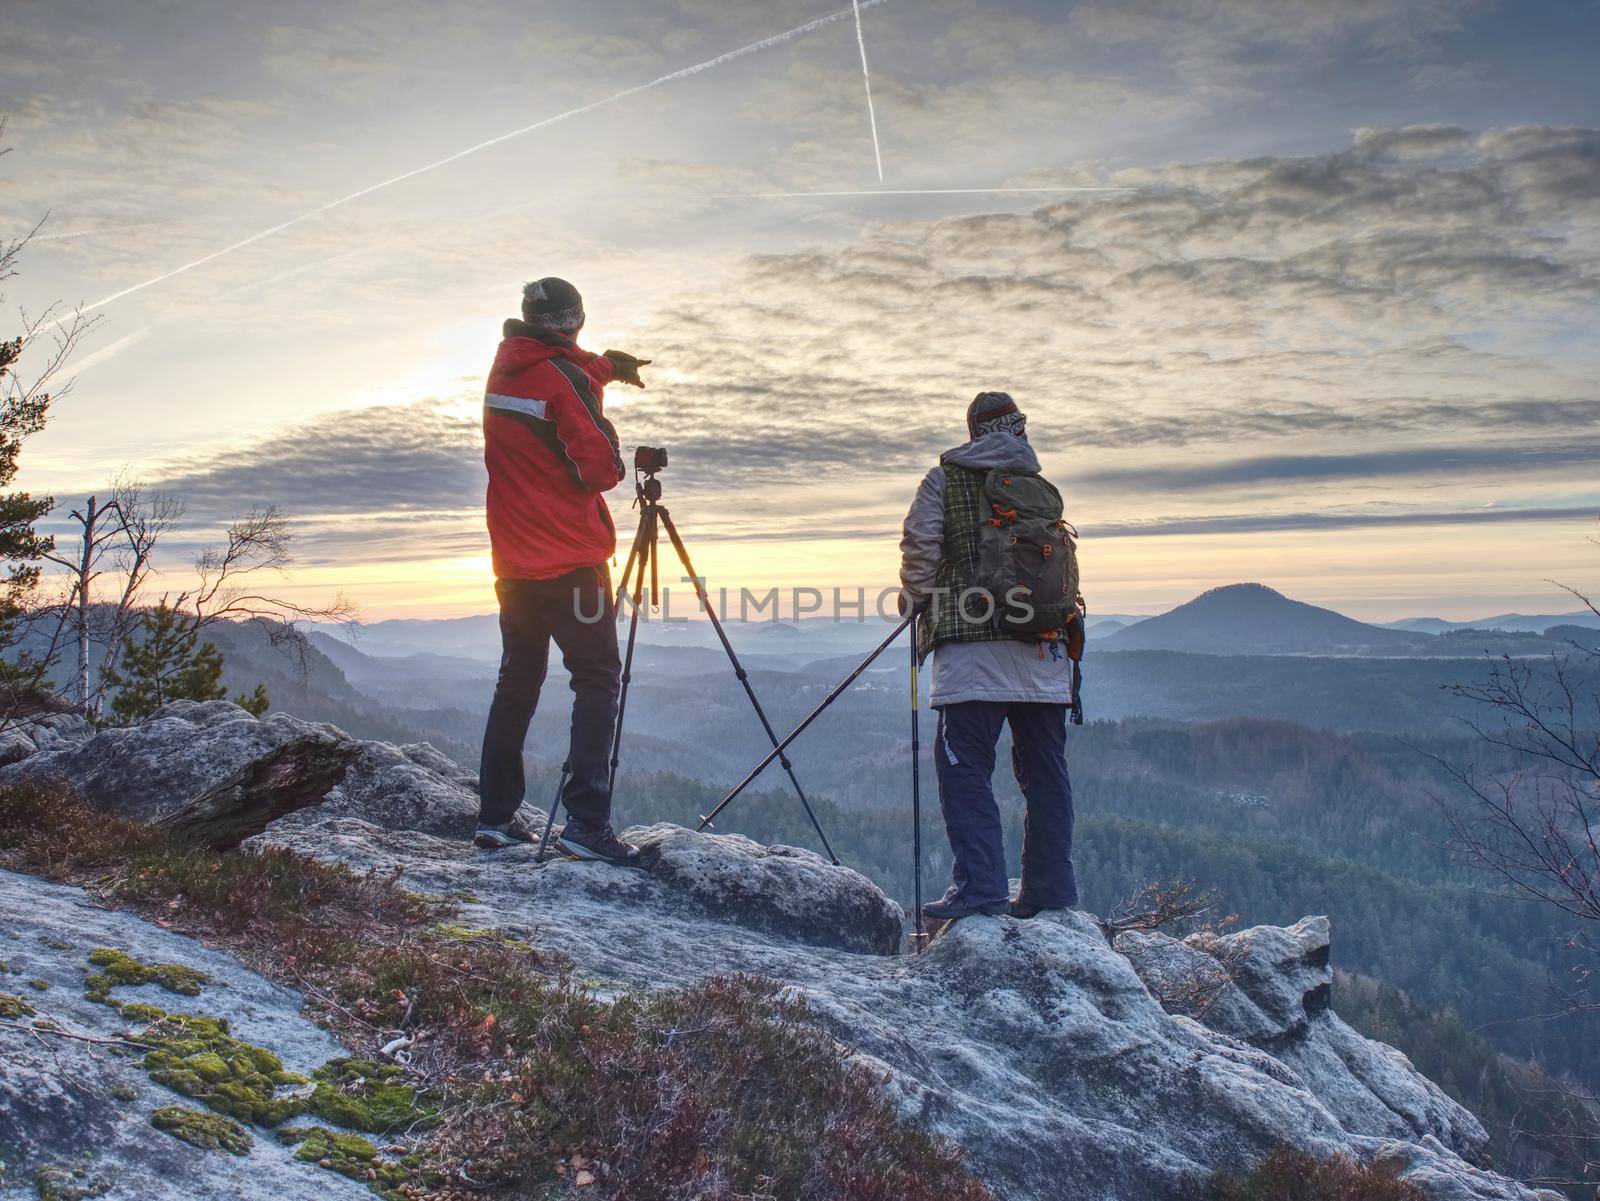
(983, 679)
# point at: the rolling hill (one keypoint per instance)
(1252, 619)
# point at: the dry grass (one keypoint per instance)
(1290, 1175)
(724, 1091)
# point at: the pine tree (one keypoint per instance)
(256, 703)
(163, 661)
(22, 414)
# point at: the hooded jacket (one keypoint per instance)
(1008, 670)
(550, 453)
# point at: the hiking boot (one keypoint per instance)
(601, 843)
(1025, 910)
(949, 908)
(506, 834)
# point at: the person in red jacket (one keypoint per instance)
(551, 455)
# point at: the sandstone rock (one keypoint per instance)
(189, 748)
(786, 890)
(75, 1105)
(1036, 1045)
(686, 881)
(41, 732)
(1269, 987)
(1067, 1066)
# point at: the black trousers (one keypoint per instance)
(578, 611)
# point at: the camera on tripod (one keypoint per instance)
(649, 459)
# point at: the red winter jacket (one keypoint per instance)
(551, 453)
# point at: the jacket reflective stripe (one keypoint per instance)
(516, 404)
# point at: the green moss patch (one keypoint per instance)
(197, 1057)
(210, 1131)
(367, 1096)
(12, 1006)
(41, 985)
(349, 1155)
(56, 1182)
(468, 934)
(118, 967)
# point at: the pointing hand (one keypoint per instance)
(627, 367)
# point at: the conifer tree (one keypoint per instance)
(21, 414)
(164, 660)
(50, 338)
(256, 703)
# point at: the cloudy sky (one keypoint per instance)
(1334, 333)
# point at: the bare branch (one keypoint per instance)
(1156, 906)
(259, 542)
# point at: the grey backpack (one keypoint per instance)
(1027, 555)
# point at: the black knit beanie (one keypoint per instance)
(991, 411)
(552, 303)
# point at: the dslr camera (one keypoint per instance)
(649, 459)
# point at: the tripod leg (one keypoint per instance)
(800, 729)
(916, 793)
(744, 677)
(653, 553)
(633, 562)
(550, 818)
(644, 546)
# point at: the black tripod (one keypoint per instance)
(911, 622)
(645, 553)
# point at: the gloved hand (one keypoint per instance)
(905, 604)
(627, 367)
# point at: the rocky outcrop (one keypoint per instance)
(27, 736)
(81, 1111)
(1068, 1066)
(287, 779)
(1269, 988)
(188, 749)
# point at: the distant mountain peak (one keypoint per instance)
(1243, 589)
(1252, 618)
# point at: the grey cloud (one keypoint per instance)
(1232, 523)
(404, 458)
(388, 538)
(1334, 520)
(1464, 462)
(1341, 295)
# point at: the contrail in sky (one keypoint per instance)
(866, 78)
(905, 192)
(139, 335)
(258, 284)
(111, 351)
(753, 47)
(92, 233)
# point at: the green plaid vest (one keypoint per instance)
(958, 567)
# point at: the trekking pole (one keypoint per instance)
(919, 938)
(550, 818)
(800, 729)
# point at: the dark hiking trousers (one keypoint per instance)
(578, 611)
(963, 754)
